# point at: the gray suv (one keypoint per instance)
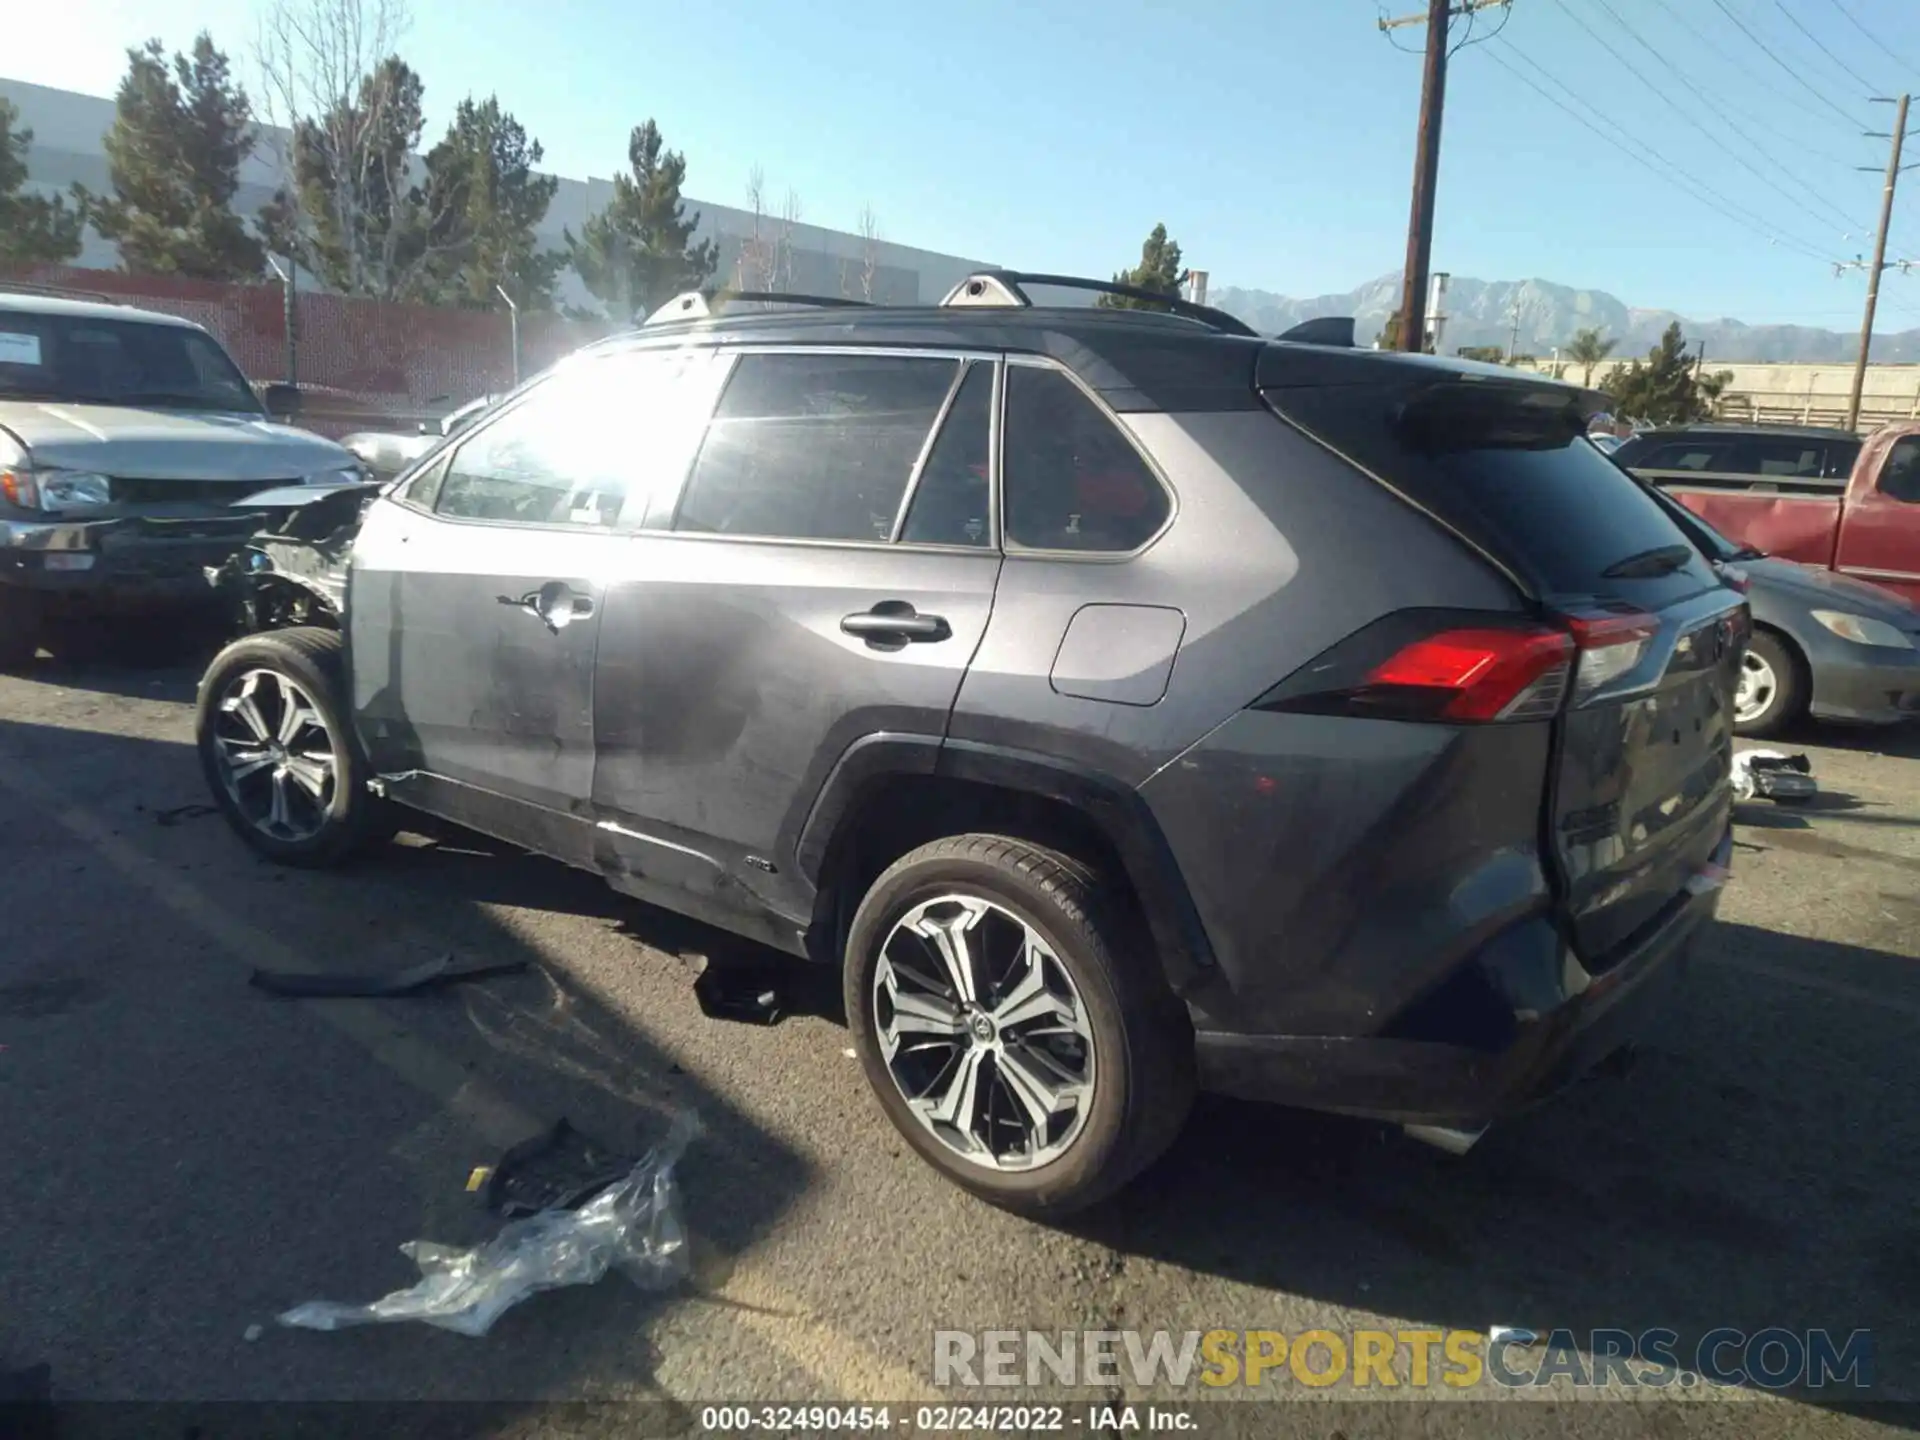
(1125, 703)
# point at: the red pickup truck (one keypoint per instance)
(1793, 493)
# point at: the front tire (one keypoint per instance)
(1010, 1025)
(277, 746)
(1773, 687)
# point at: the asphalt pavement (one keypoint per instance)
(183, 1156)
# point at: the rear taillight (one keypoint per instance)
(1476, 675)
(1611, 643)
(1451, 666)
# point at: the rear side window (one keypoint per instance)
(1506, 466)
(1072, 480)
(1900, 476)
(815, 447)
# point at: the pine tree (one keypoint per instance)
(179, 135)
(484, 203)
(1159, 271)
(638, 253)
(351, 214)
(34, 229)
(1664, 389)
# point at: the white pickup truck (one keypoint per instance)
(128, 441)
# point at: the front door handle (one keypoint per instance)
(555, 604)
(892, 623)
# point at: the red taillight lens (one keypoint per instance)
(1475, 674)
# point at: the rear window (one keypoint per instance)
(1508, 467)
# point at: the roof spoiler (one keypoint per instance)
(1325, 330)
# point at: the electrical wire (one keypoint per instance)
(1832, 212)
(1794, 20)
(1644, 154)
(1854, 20)
(1795, 75)
(1765, 84)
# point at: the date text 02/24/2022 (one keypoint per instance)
(943, 1419)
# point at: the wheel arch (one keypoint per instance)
(890, 794)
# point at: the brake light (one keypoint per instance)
(1473, 674)
(1610, 644)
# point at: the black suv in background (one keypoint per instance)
(1747, 456)
(1124, 702)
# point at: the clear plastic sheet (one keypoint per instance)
(633, 1226)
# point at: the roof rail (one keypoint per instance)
(1006, 288)
(23, 287)
(697, 304)
(1323, 330)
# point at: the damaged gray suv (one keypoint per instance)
(1127, 704)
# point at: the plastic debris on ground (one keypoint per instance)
(1772, 775)
(322, 986)
(1511, 1335)
(633, 1225)
(744, 991)
(558, 1169)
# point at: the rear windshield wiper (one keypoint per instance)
(1649, 564)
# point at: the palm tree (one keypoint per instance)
(1588, 350)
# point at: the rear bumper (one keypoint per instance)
(130, 560)
(1865, 684)
(1424, 1082)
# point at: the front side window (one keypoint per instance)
(1072, 480)
(953, 502)
(1782, 459)
(589, 446)
(815, 446)
(1696, 455)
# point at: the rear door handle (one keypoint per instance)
(555, 604)
(892, 623)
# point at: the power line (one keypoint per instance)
(1798, 79)
(1757, 79)
(1644, 154)
(1854, 20)
(1832, 211)
(1794, 20)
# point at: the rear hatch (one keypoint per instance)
(1639, 798)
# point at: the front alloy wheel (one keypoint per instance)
(984, 1033)
(276, 755)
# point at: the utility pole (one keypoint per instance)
(1879, 253)
(1513, 344)
(1426, 160)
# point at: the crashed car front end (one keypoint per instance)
(293, 568)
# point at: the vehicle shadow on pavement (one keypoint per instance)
(211, 1154)
(1755, 1168)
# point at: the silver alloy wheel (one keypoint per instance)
(984, 1033)
(1759, 687)
(276, 755)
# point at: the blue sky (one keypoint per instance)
(1274, 139)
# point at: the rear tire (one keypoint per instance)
(20, 625)
(276, 743)
(1043, 935)
(1773, 687)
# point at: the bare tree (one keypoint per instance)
(789, 218)
(869, 251)
(347, 110)
(757, 265)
